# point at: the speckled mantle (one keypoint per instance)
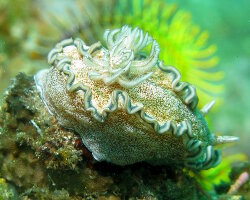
(125, 103)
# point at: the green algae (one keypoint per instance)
(6, 193)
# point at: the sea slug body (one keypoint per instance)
(125, 103)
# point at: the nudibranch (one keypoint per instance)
(126, 104)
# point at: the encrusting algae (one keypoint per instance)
(126, 104)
